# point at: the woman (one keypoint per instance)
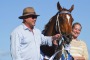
(78, 48)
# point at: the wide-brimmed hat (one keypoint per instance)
(29, 11)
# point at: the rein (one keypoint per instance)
(66, 47)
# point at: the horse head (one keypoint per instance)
(64, 21)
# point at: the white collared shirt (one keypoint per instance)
(25, 45)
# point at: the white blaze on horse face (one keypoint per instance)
(68, 17)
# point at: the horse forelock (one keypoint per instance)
(64, 9)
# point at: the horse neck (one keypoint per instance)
(50, 27)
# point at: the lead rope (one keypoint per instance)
(58, 24)
(58, 27)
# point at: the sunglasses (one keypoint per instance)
(34, 17)
(31, 16)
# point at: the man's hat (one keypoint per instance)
(29, 11)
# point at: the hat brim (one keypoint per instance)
(25, 16)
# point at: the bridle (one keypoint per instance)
(58, 27)
(57, 20)
(58, 24)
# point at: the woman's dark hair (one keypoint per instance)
(76, 23)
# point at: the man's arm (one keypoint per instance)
(15, 46)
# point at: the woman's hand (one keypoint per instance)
(79, 58)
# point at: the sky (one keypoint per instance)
(10, 10)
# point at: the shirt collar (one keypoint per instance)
(25, 27)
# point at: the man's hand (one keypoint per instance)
(55, 38)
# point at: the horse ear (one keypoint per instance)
(72, 7)
(59, 6)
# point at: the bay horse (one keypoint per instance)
(60, 23)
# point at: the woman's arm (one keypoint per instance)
(79, 58)
(85, 51)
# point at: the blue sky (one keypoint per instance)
(10, 10)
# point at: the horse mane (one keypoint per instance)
(64, 9)
(48, 24)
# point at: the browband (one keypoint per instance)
(64, 12)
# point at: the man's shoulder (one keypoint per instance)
(17, 29)
(83, 42)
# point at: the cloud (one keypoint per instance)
(4, 53)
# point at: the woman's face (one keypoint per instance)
(76, 31)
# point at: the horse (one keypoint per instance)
(60, 23)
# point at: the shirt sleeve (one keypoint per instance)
(85, 51)
(15, 46)
(46, 40)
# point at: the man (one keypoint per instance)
(26, 39)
